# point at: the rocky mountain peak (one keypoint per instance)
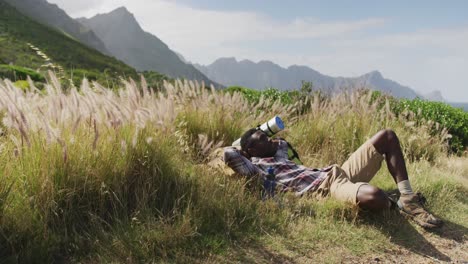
(127, 41)
(225, 60)
(121, 11)
(120, 14)
(375, 75)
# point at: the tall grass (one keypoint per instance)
(335, 127)
(93, 174)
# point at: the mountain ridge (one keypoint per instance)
(228, 71)
(127, 41)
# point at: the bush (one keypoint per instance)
(154, 79)
(454, 119)
(23, 85)
(79, 74)
(251, 95)
(254, 96)
(15, 73)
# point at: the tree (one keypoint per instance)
(306, 87)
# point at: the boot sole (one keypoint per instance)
(413, 218)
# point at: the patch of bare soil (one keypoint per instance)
(446, 245)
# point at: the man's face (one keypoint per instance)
(261, 145)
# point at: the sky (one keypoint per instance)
(420, 44)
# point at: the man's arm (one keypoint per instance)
(240, 164)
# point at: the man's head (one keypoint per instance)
(257, 144)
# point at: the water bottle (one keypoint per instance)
(269, 184)
(271, 127)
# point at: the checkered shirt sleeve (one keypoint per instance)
(240, 164)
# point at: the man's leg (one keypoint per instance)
(372, 198)
(386, 143)
(339, 186)
(361, 167)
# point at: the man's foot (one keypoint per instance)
(411, 205)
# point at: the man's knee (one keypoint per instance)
(390, 135)
(371, 197)
(386, 135)
(385, 140)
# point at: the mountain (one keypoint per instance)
(126, 40)
(435, 96)
(463, 106)
(27, 43)
(229, 72)
(181, 57)
(53, 16)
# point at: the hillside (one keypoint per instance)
(53, 16)
(127, 41)
(17, 31)
(229, 71)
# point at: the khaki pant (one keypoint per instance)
(344, 182)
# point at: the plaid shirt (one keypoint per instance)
(289, 175)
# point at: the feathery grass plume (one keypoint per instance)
(206, 147)
(135, 137)
(333, 128)
(96, 134)
(17, 144)
(55, 87)
(24, 135)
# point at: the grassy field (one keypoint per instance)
(97, 175)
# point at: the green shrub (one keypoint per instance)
(154, 79)
(15, 73)
(79, 74)
(251, 95)
(23, 85)
(454, 119)
(254, 96)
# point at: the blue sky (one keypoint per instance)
(428, 11)
(405, 16)
(421, 44)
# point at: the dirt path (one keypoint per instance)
(447, 245)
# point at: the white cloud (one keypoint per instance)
(453, 38)
(198, 34)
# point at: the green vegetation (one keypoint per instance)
(437, 114)
(19, 73)
(26, 43)
(68, 53)
(155, 79)
(273, 94)
(454, 119)
(122, 176)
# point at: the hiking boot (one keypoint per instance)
(411, 205)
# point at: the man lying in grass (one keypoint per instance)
(348, 182)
